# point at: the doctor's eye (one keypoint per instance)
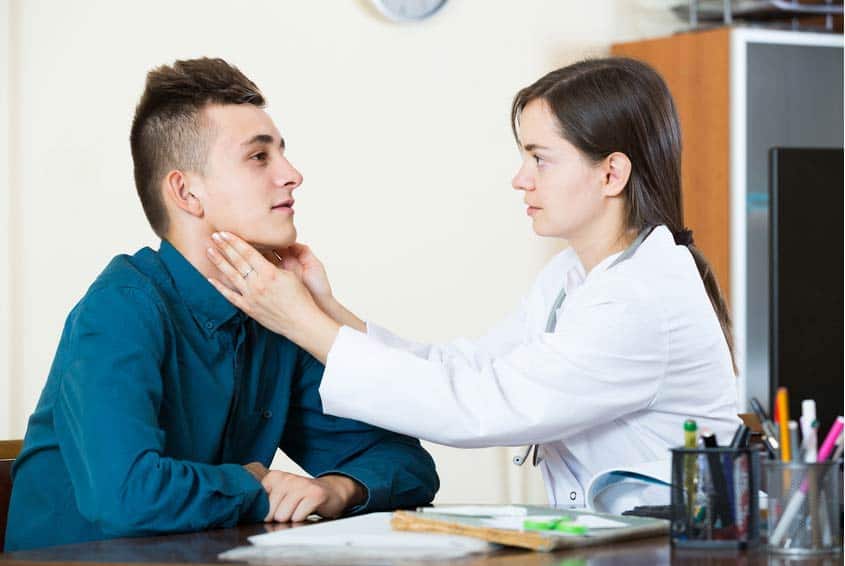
(260, 157)
(538, 160)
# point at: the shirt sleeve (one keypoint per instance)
(107, 424)
(605, 360)
(395, 470)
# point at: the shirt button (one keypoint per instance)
(572, 495)
(209, 324)
(267, 414)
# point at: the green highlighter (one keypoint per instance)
(562, 525)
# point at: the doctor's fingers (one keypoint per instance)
(241, 255)
(235, 277)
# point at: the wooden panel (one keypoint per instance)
(696, 67)
(9, 449)
(5, 494)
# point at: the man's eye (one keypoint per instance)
(537, 159)
(260, 156)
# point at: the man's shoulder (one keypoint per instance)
(139, 280)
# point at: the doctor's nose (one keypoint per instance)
(522, 181)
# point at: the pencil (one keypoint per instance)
(783, 422)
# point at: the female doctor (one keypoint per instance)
(622, 336)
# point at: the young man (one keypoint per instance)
(165, 404)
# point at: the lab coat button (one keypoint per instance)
(572, 495)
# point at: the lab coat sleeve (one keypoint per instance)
(605, 360)
(500, 339)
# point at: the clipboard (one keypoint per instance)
(431, 521)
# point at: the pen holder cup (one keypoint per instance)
(805, 516)
(715, 498)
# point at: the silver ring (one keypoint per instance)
(245, 275)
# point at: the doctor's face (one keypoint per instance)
(562, 188)
(247, 188)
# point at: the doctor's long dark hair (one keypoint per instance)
(617, 104)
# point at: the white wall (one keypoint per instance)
(401, 132)
(6, 228)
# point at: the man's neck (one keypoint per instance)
(194, 249)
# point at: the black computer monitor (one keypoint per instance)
(806, 265)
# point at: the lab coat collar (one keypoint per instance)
(659, 235)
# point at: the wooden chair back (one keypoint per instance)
(9, 450)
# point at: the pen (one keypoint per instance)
(797, 500)
(690, 476)
(783, 421)
(740, 439)
(809, 426)
(720, 484)
(769, 436)
(792, 426)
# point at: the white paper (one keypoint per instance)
(369, 532)
(478, 510)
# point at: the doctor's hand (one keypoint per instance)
(294, 498)
(276, 298)
(301, 261)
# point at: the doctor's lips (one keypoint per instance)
(284, 206)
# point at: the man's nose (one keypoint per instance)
(287, 175)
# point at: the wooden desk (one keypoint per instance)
(203, 548)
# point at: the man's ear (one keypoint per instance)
(616, 170)
(177, 189)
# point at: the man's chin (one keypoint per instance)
(275, 242)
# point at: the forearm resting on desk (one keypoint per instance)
(294, 498)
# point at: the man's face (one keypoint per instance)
(248, 183)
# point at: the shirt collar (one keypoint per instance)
(209, 308)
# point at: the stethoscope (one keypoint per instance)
(551, 322)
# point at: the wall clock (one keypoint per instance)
(408, 10)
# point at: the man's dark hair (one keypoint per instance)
(168, 131)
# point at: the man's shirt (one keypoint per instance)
(159, 392)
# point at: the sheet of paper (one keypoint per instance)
(586, 520)
(363, 537)
(478, 510)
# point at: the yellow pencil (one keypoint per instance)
(783, 422)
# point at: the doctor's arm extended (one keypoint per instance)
(602, 363)
(300, 261)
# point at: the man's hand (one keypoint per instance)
(293, 497)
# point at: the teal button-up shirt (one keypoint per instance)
(159, 392)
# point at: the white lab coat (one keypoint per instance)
(636, 350)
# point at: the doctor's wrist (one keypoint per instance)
(315, 334)
(342, 315)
